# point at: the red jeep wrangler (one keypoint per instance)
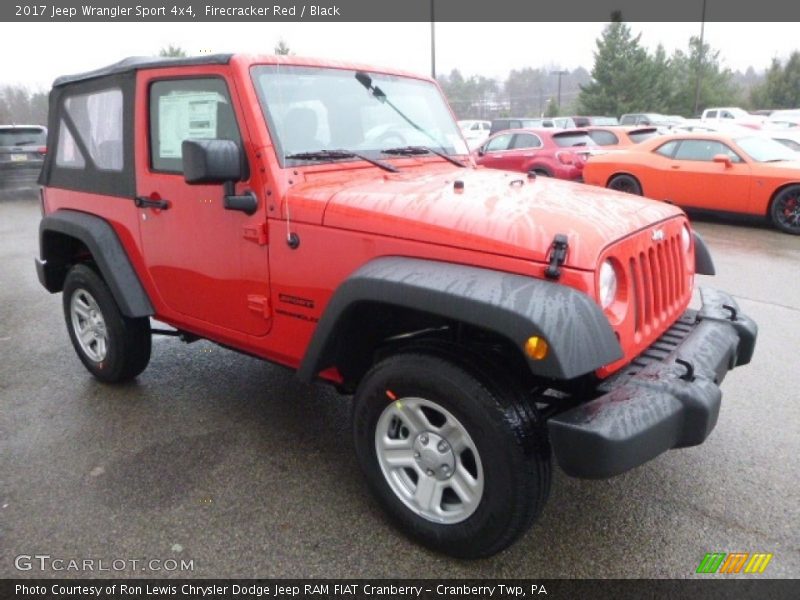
(327, 217)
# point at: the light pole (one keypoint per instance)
(559, 73)
(433, 42)
(699, 60)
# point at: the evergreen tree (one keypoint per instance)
(621, 74)
(716, 83)
(781, 86)
(172, 52)
(282, 48)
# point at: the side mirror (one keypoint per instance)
(724, 159)
(211, 161)
(481, 151)
(218, 161)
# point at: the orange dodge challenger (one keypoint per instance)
(734, 173)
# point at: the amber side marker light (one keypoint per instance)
(536, 347)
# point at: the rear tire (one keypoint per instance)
(458, 459)
(784, 211)
(111, 346)
(625, 183)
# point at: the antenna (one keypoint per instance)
(292, 239)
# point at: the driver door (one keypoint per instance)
(207, 262)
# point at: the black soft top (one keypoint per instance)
(134, 63)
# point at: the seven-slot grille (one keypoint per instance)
(659, 283)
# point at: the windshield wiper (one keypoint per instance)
(377, 93)
(339, 154)
(417, 150)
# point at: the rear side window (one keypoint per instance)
(638, 137)
(97, 117)
(602, 137)
(667, 149)
(184, 109)
(526, 140)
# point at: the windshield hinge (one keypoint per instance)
(558, 255)
(257, 234)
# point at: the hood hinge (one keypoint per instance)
(558, 255)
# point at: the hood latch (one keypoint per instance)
(558, 255)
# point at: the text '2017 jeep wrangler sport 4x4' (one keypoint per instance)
(327, 217)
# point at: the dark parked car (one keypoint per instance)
(600, 121)
(514, 123)
(22, 150)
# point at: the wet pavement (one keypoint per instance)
(229, 462)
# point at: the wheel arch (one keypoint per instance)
(776, 192)
(67, 237)
(508, 306)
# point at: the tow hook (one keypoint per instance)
(689, 374)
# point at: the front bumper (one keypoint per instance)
(668, 397)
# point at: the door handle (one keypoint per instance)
(145, 202)
(675, 167)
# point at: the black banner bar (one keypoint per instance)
(400, 10)
(387, 589)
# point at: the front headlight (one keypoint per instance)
(686, 239)
(608, 284)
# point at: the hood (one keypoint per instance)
(497, 212)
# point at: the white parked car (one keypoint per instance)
(732, 114)
(475, 131)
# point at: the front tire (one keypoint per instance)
(784, 210)
(625, 183)
(111, 346)
(457, 459)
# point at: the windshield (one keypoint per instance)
(314, 108)
(19, 136)
(765, 149)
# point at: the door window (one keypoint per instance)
(184, 109)
(704, 150)
(501, 142)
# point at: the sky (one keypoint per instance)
(491, 49)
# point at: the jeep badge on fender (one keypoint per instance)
(328, 217)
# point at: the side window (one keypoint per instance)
(704, 150)
(603, 137)
(485, 126)
(667, 149)
(726, 115)
(184, 109)
(712, 114)
(501, 142)
(67, 154)
(97, 116)
(526, 140)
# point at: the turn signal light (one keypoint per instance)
(536, 347)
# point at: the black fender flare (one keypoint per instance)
(513, 306)
(703, 263)
(107, 252)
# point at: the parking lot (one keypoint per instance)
(230, 462)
